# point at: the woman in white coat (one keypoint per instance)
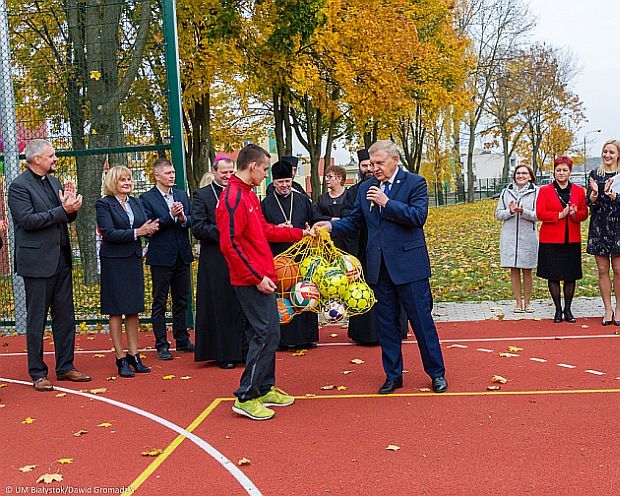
(519, 239)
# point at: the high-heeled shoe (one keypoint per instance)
(610, 321)
(568, 316)
(558, 316)
(123, 367)
(136, 362)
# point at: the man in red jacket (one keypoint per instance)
(244, 242)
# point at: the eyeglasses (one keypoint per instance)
(329, 177)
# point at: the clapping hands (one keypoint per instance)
(69, 199)
(149, 228)
(514, 208)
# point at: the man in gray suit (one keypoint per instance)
(41, 211)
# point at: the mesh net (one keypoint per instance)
(315, 276)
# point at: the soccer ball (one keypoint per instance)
(333, 283)
(285, 310)
(334, 311)
(352, 266)
(305, 294)
(308, 266)
(358, 297)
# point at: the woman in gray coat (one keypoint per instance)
(518, 244)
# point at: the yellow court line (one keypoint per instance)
(215, 403)
(132, 488)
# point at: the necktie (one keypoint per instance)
(386, 190)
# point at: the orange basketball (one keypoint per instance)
(286, 272)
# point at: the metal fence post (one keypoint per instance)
(8, 122)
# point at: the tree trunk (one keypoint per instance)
(470, 162)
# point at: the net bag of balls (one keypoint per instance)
(315, 276)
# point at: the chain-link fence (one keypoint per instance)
(446, 193)
(91, 78)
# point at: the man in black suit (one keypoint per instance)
(169, 255)
(41, 210)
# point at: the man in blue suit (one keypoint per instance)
(394, 207)
(169, 255)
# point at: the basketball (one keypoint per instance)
(285, 310)
(334, 311)
(305, 294)
(286, 272)
(358, 297)
(352, 267)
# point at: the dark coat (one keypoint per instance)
(172, 239)
(38, 225)
(113, 222)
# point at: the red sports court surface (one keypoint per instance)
(552, 429)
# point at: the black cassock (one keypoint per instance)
(303, 330)
(325, 209)
(220, 322)
(363, 328)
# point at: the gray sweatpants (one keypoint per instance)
(263, 336)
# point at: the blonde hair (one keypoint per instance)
(112, 177)
(207, 179)
(601, 167)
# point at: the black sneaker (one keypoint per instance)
(189, 347)
(164, 354)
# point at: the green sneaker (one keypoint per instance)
(253, 409)
(276, 397)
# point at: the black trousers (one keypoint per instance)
(42, 295)
(263, 336)
(176, 280)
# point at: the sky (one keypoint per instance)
(589, 30)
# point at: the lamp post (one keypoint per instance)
(585, 157)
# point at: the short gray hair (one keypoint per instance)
(384, 145)
(36, 148)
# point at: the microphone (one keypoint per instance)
(376, 183)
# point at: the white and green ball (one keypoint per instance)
(305, 295)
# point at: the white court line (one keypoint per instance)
(566, 366)
(229, 466)
(539, 360)
(595, 372)
(80, 352)
(484, 350)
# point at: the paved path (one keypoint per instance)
(487, 310)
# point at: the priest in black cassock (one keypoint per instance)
(220, 322)
(285, 206)
(292, 161)
(363, 328)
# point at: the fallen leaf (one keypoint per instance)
(341, 388)
(328, 387)
(507, 354)
(80, 432)
(61, 395)
(425, 390)
(98, 355)
(499, 379)
(299, 353)
(143, 357)
(585, 326)
(500, 317)
(65, 461)
(243, 461)
(346, 372)
(333, 335)
(3, 385)
(27, 468)
(96, 75)
(186, 377)
(98, 390)
(152, 452)
(28, 420)
(392, 447)
(357, 361)
(537, 318)
(514, 349)
(310, 395)
(104, 424)
(90, 338)
(2, 405)
(494, 388)
(49, 478)
(111, 378)
(168, 377)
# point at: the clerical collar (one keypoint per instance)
(37, 176)
(218, 186)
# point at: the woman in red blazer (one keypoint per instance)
(561, 207)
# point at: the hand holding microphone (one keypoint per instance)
(375, 195)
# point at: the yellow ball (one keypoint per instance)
(332, 282)
(309, 266)
(358, 297)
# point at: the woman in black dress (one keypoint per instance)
(561, 208)
(122, 222)
(603, 240)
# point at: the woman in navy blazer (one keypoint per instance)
(122, 221)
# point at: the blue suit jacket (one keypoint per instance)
(117, 233)
(172, 239)
(394, 232)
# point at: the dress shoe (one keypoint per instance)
(136, 362)
(569, 317)
(609, 322)
(123, 367)
(440, 385)
(390, 386)
(558, 316)
(189, 347)
(42, 384)
(226, 365)
(164, 354)
(73, 376)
